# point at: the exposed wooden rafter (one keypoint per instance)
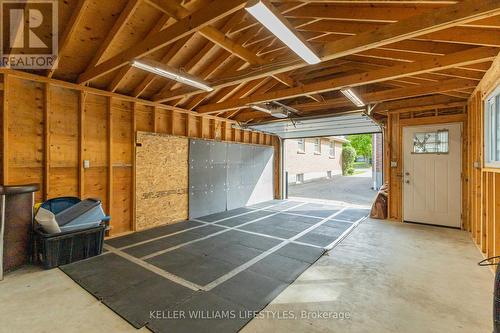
(170, 35)
(415, 26)
(437, 63)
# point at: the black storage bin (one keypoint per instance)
(54, 250)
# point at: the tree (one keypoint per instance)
(348, 157)
(362, 143)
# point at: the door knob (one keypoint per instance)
(407, 181)
(407, 173)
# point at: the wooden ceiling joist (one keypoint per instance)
(437, 63)
(415, 26)
(400, 55)
(419, 103)
(390, 94)
(69, 31)
(170, 35)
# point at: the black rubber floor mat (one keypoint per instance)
(151, 233)
(145, 249)
(352, 214)
(235, 221)
(226, 214)
(251, 290)
(325, 234)
(145, 298)
(204, 312)
(301, 252)
(280, 267)
(125, 287)
(313, 209)
(199, 269)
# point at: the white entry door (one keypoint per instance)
(431, 174)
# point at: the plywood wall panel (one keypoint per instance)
(95, 148)
(63, 143)
(122, 201)
(163, 121)
(122, 132)
(25, 133)
(161, 180)
(95, 136)
(96, 183)
(51, 129)
(144, 118)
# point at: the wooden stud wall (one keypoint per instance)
(483, 188)
(480, 185)
(48, 130)
(393, 133)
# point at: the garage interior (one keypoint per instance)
(173, 113)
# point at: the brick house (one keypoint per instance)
(314, 158)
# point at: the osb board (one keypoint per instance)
(161, 180)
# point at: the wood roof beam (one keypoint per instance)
(414, 26)
(390, 73)
(416, 104)
(390, 94)
(125, 70)
(374, 13)
(71, 26)
(125, 15)
(178, 30)
(337, 29)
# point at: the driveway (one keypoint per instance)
(355, 189)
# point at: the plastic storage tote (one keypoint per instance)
(67, 247)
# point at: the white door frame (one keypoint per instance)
(461, 123)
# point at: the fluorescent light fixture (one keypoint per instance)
(160, 69)
(351, 95)
(266, 14)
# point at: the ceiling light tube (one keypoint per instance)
(266, 14)
(160, 69)
(351, 95)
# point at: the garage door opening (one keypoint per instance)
(344, 169)
(313, 151)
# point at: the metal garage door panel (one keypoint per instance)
(352, 123)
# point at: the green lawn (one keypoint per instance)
(361, 165)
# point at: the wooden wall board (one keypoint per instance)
(144, 118)
(63, 147)
(393, 152)
(25, 133)
(161, 180)
(52, 128)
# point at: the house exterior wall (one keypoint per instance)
(312, 165)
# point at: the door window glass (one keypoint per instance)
(431, 142)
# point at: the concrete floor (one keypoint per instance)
(387, 277)
(391, 277)
(352, 190)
